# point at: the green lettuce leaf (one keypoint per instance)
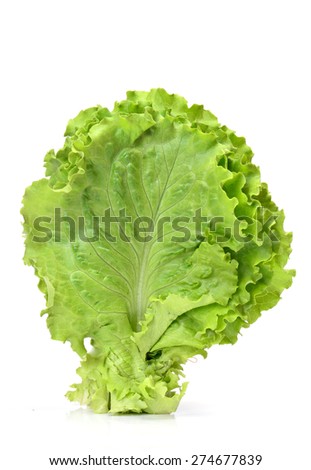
(151, 288)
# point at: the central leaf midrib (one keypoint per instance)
(140, 297)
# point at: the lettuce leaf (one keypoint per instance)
(151, 288)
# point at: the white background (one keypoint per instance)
(249, 63)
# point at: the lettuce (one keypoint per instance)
(152, 236)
